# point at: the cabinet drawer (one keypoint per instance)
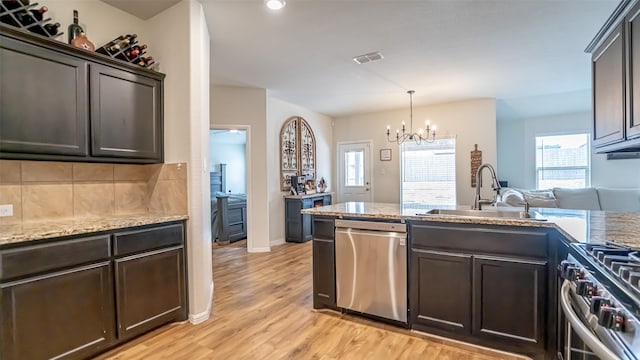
(323, 228)
(505, 240)
(51, 256)
(131, 242)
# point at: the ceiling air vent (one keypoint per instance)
(374, 56)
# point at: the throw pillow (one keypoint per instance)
(512, 197)
(581, 199)
(540, 198)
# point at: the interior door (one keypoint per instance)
(354, 172)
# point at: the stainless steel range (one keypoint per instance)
(600, 302)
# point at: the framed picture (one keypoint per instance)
(385, 154)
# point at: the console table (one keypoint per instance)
(298, 227)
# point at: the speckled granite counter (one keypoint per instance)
(576, 225)
(11, 234)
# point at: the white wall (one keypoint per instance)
(234, 155)
(278, 112)
(516, 152)
(183, 52)
(472, 122)
(100, 21)
(248, 107)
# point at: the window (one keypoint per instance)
(428, 174)
(562, 161)
(354, 168)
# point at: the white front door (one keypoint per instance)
(354, 171)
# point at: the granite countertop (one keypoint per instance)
(577, 225)
(15, 233)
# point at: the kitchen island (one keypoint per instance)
(491, 281)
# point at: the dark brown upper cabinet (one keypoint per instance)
(58, 102)
(42, 119)
(616, 81)
(608, 90)
(126, 113)
(633, 68)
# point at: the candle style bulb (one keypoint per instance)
(428, 123)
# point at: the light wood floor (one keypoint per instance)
(262, 309)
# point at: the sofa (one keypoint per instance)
(591, 198)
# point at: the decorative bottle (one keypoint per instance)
(74, 29)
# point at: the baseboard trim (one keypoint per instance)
(277, 242)
(259, 249)
(196, 319)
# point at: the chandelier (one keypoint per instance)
(428, 134)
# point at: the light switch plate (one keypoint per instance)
(6, 210)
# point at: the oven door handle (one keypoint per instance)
(581, 330)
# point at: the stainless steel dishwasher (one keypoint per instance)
(371, 268)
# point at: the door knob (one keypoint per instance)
(367, 189)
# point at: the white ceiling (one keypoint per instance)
(144, 9)
(452, 50)
(528, 54)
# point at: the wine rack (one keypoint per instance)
(127, 48)
(18, 13)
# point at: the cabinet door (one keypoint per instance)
(150, 291)
(42, 101)
(609, 90)
(509, 300)
(633, 68)
(126, 114)
(440, 291)
(65, 315)
(293, 220)
(324, 276)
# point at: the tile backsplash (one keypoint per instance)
(44, 190)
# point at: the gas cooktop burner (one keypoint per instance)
(622, 263)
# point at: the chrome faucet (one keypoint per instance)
(477, 203)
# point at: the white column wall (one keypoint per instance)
(246, 108)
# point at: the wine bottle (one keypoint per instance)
(114, 48)
(132, 54)
(14, 4)
(140, 48)
(7, 19)
(52, 29)
(24, 18)
(74, 29)
(131, 38)
(39, 13)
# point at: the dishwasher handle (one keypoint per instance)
(371, 225)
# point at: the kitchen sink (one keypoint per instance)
(532, 215)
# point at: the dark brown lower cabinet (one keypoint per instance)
(63, 315)
(441, 291)
(510, 300)
(150, 290)
(488, 285)
(73, 297)
(324, 269)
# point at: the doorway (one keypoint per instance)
(228, 166)
(354, 171)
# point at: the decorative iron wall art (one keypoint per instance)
(297, 151)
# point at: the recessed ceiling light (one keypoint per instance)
(275, 4)
(233, 131)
